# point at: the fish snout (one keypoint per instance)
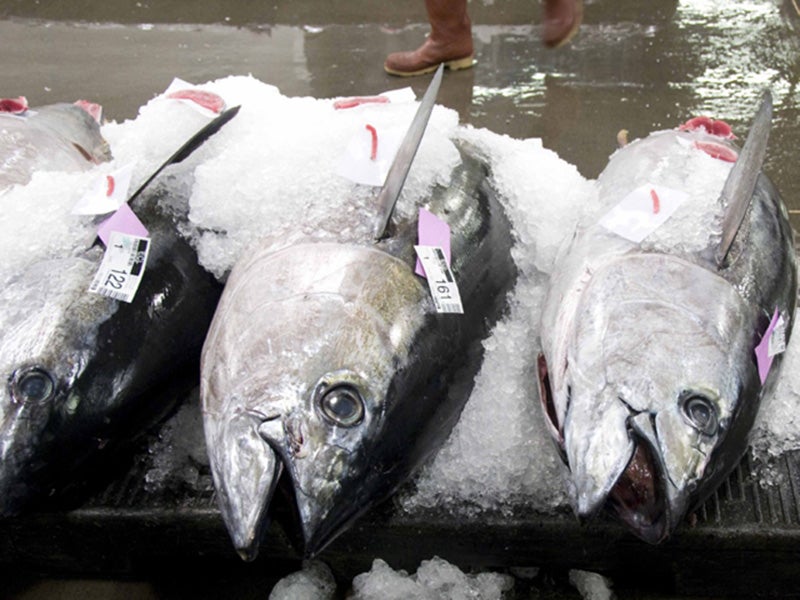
(246, 470)
(598, 448)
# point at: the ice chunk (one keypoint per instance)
(435, 578)
(314, 582)
(592, 586)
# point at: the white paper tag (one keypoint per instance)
(777, 339)
(440, 279)
(643, 211)
(358, 165)
(122, 268)
(106, 194)
(405, 94)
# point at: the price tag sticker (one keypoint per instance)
(440, 279)
(122, 267)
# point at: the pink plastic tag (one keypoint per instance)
(124, 221)
(432, 231)
(768, 348)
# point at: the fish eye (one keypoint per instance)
(342, 405)
(32, 384)
(701, 413)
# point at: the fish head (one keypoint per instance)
(653, 382)
(299, 376)
(77, 127)
(50, 325)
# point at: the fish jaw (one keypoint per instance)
(596, 460)
(299, 334)
(236, 447)
(20, 430)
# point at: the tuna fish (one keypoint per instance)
(57, 137)
(81, 371)
(328, 368)
(650, 373)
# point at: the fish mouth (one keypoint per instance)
(250, 466)
(638, 498)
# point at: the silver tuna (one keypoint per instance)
(83, 374)
(328, 363)
(56, 137)
(649, 381)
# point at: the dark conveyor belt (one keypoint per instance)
(745, 541)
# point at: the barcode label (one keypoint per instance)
(441, 282)
(777, 339)
(122, 267)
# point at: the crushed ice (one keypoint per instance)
(178, 453)
(591, 586)
(313, 582)
(435, 578)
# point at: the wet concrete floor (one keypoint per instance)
(634, 65)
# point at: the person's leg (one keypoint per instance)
(449, 42)
(560, 19)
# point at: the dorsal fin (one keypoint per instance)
(192, 144)
(737, 193)
(396, 177)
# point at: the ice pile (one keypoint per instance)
(499, 454)
(276, 177)
(179, 457)
(435, 579)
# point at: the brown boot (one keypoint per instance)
(449, 42)
(561, 21)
